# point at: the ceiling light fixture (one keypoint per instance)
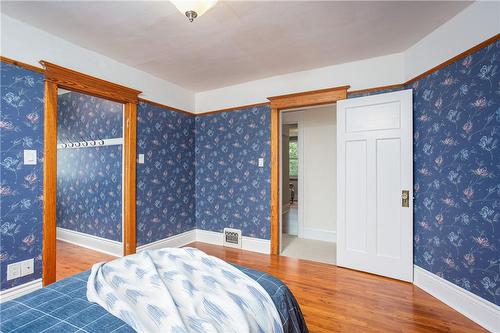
(193, 9)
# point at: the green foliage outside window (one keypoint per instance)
(293, 159)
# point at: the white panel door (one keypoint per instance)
(374, 168)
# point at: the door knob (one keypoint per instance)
(405, 198)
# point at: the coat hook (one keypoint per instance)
(64, 141)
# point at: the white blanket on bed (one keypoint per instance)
(180, 291)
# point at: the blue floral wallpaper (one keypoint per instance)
(203, 171)
(87, 117)
(231, 189)
(89, 180)
(457, 172)
(21, 194)
(89, 191)
(165, 182)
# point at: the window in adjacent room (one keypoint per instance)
(293, 158)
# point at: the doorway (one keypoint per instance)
(278, 104)
(90, 159)
(374, 146)
(59, 77)
(308, 183)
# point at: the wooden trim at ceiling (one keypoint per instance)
(42, 71)
(69, 79)
(455, 58)
(375, 89)
(458, 57)
(279, 103)
(234, 108)
(163, 106)
(21, 64)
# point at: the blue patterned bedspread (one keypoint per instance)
(63, 307)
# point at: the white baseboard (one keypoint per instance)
(247, 243)
(319, 234)
(18, 291)
(210, 237)
(472, 306)
(173, 241)
(256, 244)
(113, 248)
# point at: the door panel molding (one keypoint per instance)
(374, 231)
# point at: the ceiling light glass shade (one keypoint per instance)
(193, 8)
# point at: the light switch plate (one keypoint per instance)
(29, 157)
(261, 162)
(141, 158)
(27, 267)
(13, 271)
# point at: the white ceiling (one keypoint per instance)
(236, 41)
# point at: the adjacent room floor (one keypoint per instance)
(72, 259)
(309, 249)
(332, 299)
(293, 246)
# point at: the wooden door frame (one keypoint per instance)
(286, 102)
(60, 77)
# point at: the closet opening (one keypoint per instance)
(76, 197)
(89, 202)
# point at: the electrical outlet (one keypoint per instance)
(13, 271)
(141, 158)
(261, 162)
(27, 267)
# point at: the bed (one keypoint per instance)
(63, 307)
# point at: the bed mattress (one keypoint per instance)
(63, 307)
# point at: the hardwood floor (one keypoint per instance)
(72, 259)
(335, 299)
(332, 299)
